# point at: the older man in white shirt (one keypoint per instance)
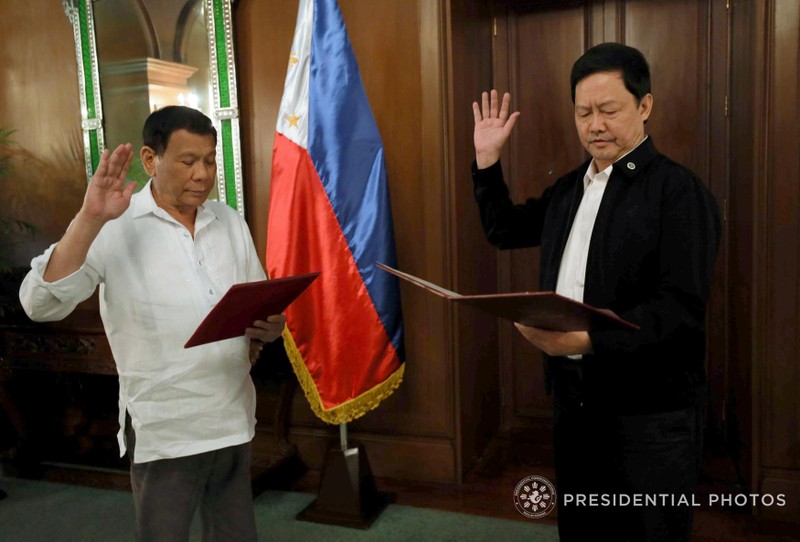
(163, 258)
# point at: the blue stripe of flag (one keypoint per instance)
(346, 149)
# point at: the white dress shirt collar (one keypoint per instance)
(146, 204)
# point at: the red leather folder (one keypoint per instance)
(546, 310)
(245, 303)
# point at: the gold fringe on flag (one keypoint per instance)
(348, 411)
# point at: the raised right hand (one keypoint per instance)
(107, 196)
(492, 127)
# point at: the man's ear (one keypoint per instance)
(646, 106)
(149, 160)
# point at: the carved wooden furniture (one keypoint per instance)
(41, 363)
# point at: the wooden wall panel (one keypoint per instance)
(747, 111)
(781, 407)
(719, 362)
(679, 70)
(472, 261)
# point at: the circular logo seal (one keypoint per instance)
(534, 497)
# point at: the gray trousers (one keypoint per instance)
(167, 492)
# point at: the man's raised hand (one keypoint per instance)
(107, 196)
(493, 126)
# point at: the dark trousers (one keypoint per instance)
(167, 492)
(654, 456)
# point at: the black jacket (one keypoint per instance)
(651, 258)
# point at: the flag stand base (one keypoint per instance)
(347, 494)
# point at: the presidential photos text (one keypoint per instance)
(668, 499)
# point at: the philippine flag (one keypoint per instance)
(329, 211)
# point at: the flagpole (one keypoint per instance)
(343, 436)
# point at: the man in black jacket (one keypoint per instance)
(634, 232)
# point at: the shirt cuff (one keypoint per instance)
(486, 175)
(64, 288)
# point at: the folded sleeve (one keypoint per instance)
(50, 301)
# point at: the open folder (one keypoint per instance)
(546, 310)
(245, 303)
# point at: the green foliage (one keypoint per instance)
(5, 141)
(12, 232)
